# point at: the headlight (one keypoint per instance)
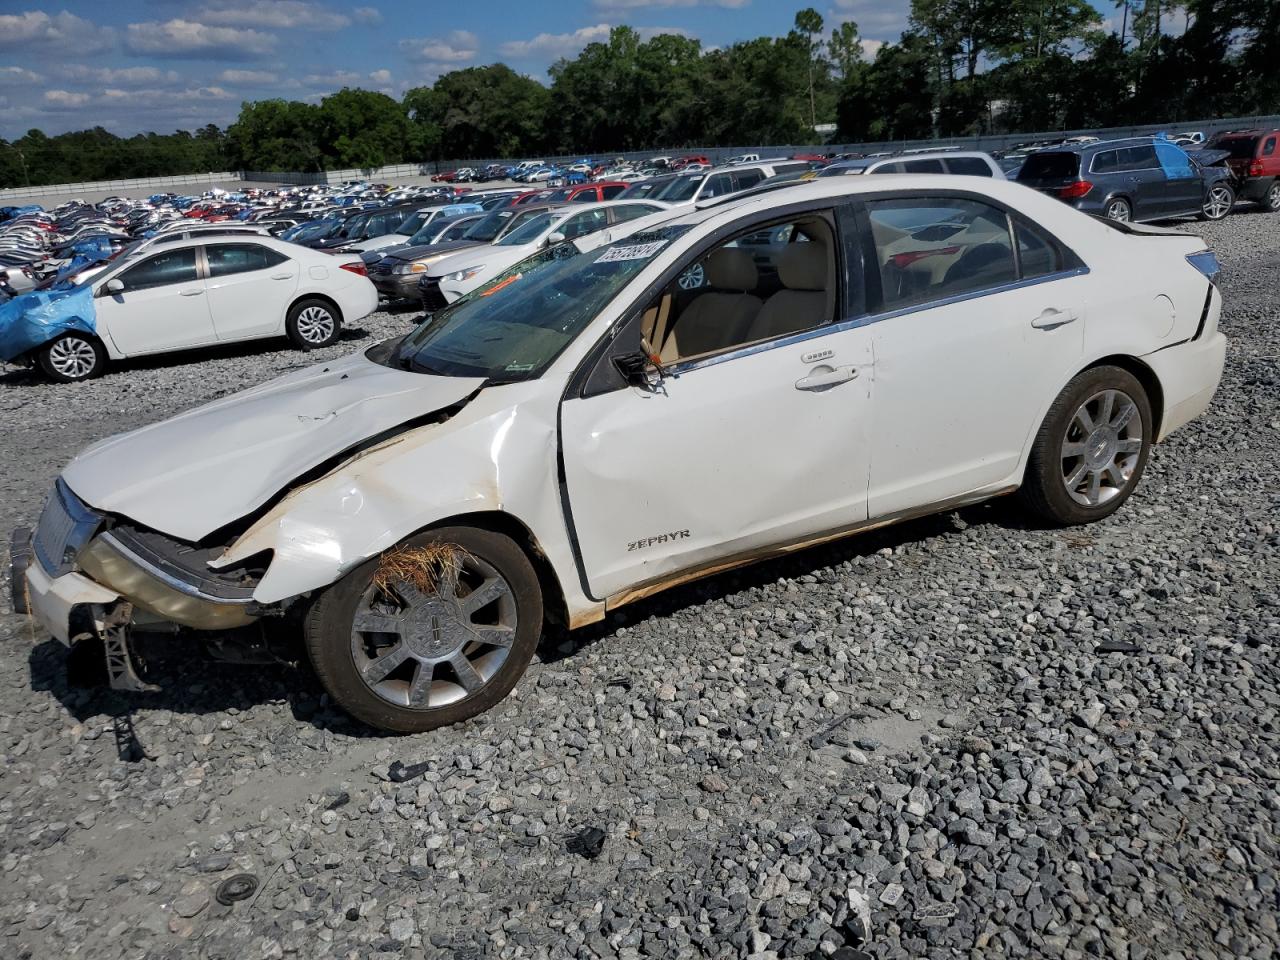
(466, 273)
(415, 267)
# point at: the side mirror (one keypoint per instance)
(554, 238)
(643, 368)
(115, 286)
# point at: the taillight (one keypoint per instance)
(357, 268)
(1255, 168)
(1076, 190)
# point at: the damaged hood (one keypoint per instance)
(205, 468)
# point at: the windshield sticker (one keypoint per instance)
(636, 251)
(518, 367)
(502, 285)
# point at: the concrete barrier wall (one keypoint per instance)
(142, 185)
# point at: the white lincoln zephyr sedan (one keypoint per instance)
(584, 430)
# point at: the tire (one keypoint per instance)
(1048, 488)
(313, 323)
(1218, 202)
(1271, 202)
(375, 675)
(72, 358)
(1118, 208)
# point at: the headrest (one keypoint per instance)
(803, 266)
(730, 269)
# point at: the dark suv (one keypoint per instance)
(1254, 159)
(1146, 178)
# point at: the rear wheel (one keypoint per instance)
(1271, 201)
(408, 656)
(1218, 202)
(313, 323)
(1119, 209)
(1091, 449)
(72, 357)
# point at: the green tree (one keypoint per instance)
(809, 23)
(362, 128)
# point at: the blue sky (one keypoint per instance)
(137, 65)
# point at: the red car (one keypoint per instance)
(1254, 159)
(448, 176)
(681, 162)
(811, 158)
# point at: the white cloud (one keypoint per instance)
(189, 38)
(123, 77)
(881, 19)
(459, 47)
(248, 77)
(35, 28)
(370, 15)
(289, 14)
(557, 44)
(157, 98)
(870, 47)
(381, 76)
(18, 76)
(648, 33)
(336, 78)
(65, 99)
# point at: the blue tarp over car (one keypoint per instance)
(35, 318)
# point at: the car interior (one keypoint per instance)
(771, 282)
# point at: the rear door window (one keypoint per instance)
(229, 258)
(613, 191)
(1050, 166)
(922, 166)
(934, 248)
(968, 166)
(1138, 158)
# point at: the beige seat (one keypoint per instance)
(720, 317)
(805, 301)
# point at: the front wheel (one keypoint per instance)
(1091, 449)
(72, 357)
(433, 632)
(313, 323)
(1218, 202)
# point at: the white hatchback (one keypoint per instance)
(585, 430)
(207, 290)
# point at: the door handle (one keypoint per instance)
(824, 376)
(1053, 318)
(190, 293)
(282, 276)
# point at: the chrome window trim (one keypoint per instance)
(679, 369)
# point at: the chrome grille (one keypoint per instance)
(66, 526)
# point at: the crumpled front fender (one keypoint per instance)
(497, 454)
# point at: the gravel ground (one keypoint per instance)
(905, 745)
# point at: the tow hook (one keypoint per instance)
(115, 644)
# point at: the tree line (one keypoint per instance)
(962, 67)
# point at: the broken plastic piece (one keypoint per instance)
(115, 645)
(399, 773)
(234, 889)
(1117, 646)
(587, 843)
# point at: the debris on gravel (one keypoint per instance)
(908, 744)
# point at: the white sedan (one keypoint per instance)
(452, 277)
(585, 431)
(178, 292)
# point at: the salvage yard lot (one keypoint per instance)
(921, 715)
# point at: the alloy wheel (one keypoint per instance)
(1218, 204)
(692, 278)
(1273, 197)
(315, 324)
(72, 357)
(1118, 210)
(1101, 448)
(425, 649)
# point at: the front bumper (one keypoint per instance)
(51, 600)
(396, 286)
